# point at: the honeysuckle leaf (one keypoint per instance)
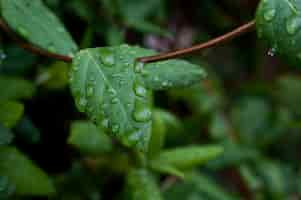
(279, 22)
(142, 185)
(187, 157)
(88, 138)
(23, 173)
(165, 168)
(37, 24)
(111, 87)
(15, 88)
(10, 113)
(106, 87)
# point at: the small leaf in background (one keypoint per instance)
(201, 99)
(55, 76)
(287, 92)
(166, 169)
(37, 24)
(6, 136)
(197, 186)
(78, 183)
(17, 61)
(278, 179)
(6, 188)
(188, 157)
(158, 135)
(267, 124)
(136, 14)
(234, 154)
(23, 173)
(89, 139)
(26, 131)
(10, 113)
(279, 22)
(140, 184)
(107, 84)
(13, 88)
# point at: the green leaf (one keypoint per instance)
(197, 186)
(188, 157)
(142, 185)
(55, 76)
(37, 24)
(279, 22)
(23, 173)
(158, 135)
(88, 138)
(6, 136)
(107, 84)
(10, 113)
(107, 88)
(172, 74)
(277, 178)
(15, 88)
(166, 168)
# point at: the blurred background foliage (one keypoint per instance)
(249, 104)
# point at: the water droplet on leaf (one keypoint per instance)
(269, 15)
(141, 112)
(140, 90)
(107, 57)
(292, 25)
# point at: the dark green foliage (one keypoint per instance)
(221, 124)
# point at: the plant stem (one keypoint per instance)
(31, 48)
(216, 41)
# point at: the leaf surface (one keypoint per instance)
(37, 24)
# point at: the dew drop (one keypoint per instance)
(90, 91)
(115, 128)
(51, 48)
(272, 52)
(141, 113)
(138, 68)
(112, 92)
(75, 68)
(164, 84)
(107, 57)
(139, 90)
(23, 32)
(269, 15)
(82, 103)
(114, 101)
(156, 79)
(105, 123)
(292, 25)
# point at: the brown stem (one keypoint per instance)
(228, 36)
(30, 47)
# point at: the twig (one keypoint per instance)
(226, 37)
(31, 48)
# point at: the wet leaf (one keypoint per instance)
(36, 23)
(279, 22)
